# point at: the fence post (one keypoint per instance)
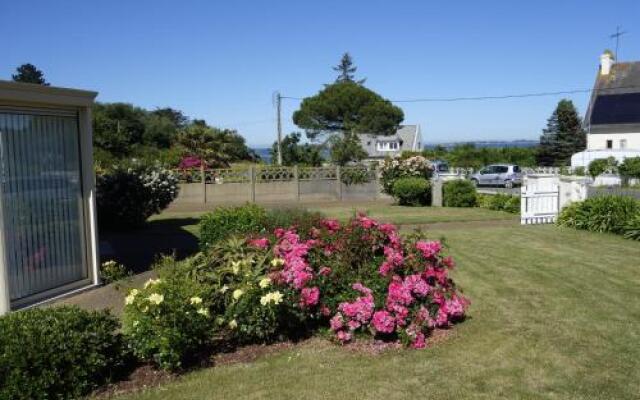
(252, 183)
(338, 183)
(376, 174)
(296, 179)
(436, 192)
(203, 180)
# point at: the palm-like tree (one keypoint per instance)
(211, 145)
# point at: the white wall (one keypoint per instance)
(598, 141)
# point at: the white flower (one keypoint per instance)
(237, 293)
(235, 267)
(265, 282)
(271, 297)
(203, 311)
(151, 282)
(195, 300)
(233, 324)
(131, 297)
(155, 298)
(224, 289)
(136, 323)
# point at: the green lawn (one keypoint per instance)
(555, 314)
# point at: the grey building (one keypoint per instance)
(406, 138)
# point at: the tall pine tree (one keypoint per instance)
(562, 137)
(347, 70)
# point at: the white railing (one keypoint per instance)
(540, 201)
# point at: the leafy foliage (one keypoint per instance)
(217, 147)
(167, 321)
(355, 175)
(58, 353)
(347, 107)
(500, 202)
(347, 70)
(562, 137)
(28, 73)
(346, 149)
(129, 194)
(294, 153)
(630, 168)
(601, 214)
(601, 165)
(412, 191)
(112, 271)
(224, 222)
(459, 193)
(632, 228)
(468, 155)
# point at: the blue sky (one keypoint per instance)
(222, 61)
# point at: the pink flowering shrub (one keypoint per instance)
(362, 277)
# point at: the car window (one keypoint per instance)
(501, 169)
(516, 169)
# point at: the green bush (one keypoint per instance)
(58, 353)
(167, 321)
(356, 175)
(112, 271)
(512, 205)
(632, 229)
(602, 165)
(459, 193)
(630, 168)
(303, 220)
(129, 194)
(393, 169)
(227, 221)
(412, 191)
(601, 214)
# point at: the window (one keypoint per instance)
(516, 169)
(500, 169)
(623, 143)
(609, 144)
(387, 146)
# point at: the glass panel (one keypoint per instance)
(42, 202)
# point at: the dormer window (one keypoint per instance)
(387, 146)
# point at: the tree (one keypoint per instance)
(347, 70)
(28, 73)
(216, 147)
(347, 107)
(177, 117)
(562, 137)
(294, 153)
(118, 127)
(346, 149)
(599, 166)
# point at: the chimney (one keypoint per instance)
(606, 61)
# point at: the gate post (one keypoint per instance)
(296, 179)
(338, 182)
(252, 184)
(436, 192)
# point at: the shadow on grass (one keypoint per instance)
(139, 248)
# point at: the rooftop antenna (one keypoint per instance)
(617, 37)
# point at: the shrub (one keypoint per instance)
(500, 202)
(600, 214)
(632, 228)
(630, 168)
(167, 321)
(226, 221)
(459, 193)
(58, 353)
(602, 165)
(512, 205)
(128, 195)
(111, 271)
(412, 191)
(356, 175)
(393, 169)
(300, 219)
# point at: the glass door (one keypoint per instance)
(41, 197)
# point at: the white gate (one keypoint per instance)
(540, 199)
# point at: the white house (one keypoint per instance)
(612, 120)
(406, 138)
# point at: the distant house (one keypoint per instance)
(612, 120)
(406, 138)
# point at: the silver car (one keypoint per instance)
(507, 175)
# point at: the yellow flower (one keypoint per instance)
(203, 311)
(233, 324)
(131, 297)
(151, 282)
(237, 293)
(276, 297)
(155, 298)
(224, 289)
(235, 267)
(264, 282)
(277, 262)
(264, 299)
(195, 300)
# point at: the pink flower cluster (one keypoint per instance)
(353, 315)
(296, 270)
(261, 243)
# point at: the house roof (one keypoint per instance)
(408, 136)
(615, 101)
